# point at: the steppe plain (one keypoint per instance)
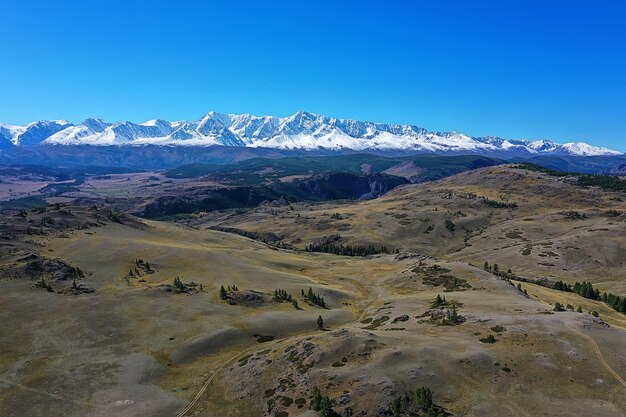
(133, 344)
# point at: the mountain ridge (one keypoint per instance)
(300, 131)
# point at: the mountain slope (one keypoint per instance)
(301, 131)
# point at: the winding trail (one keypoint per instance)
(213, 375)
(227, 362)
(599, 354)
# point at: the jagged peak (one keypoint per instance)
(301, 130)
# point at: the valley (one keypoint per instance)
(216, 311)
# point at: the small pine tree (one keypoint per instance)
(486, 266)
(320, 323)
(424, 398)
(438, 301)
(317, 399)
(454, 316)
(326, 407)
(496, 269)
(179, 284)
(223, 293)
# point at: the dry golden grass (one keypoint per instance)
(550, 297)
(134, 349)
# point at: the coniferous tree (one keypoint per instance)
(320, 323)
(179, 284)
(317, 399)
(438, 301)
(454, 316)
(424, 398)
(326, 407)
(223, 293)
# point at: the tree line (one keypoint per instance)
(422, 403)
(281, 296)
(313, 298)
(498, 204)
(607, 182)
(348, 250)
(584, 289)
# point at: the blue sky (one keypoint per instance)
(516, 69)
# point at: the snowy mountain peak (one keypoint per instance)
(584, 149)
(302, 130)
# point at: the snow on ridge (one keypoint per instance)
(302, 130)
(584, 149)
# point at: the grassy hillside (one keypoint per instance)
(109, 314)
(145, 347)
(534, 223)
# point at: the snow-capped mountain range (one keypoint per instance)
(301, 131)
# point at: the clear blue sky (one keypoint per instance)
(517, 69)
